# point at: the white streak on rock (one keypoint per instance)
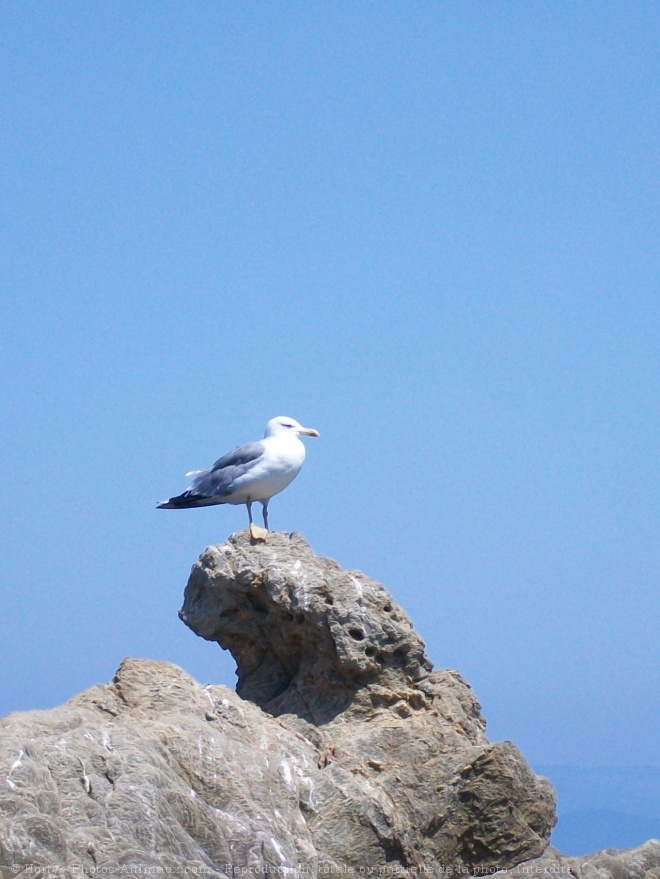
(358, 587)
(278, 850)
(286, 772)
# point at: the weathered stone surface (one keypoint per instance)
(152, 770)
(333, 656)
(642, 862)
(345, 753)
(307, 636)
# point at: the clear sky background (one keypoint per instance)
(429, 230)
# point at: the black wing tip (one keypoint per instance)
(187, 501)
(181, 501)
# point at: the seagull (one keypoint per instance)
(253, 472)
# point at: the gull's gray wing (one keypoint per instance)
(241, 458)
(219, 480)
(209, 486)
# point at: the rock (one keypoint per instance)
(642, 862)
(342, 750)
(333, 656)
(309, 638)
(152, 771)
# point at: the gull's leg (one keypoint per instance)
(264, 504)
(256, 533)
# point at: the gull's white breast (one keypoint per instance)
(283, 457)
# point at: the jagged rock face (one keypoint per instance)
(331, 654)
(346, 752)
(642, 862)
(152, 770)
(306, 635)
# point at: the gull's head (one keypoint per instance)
(282, 425)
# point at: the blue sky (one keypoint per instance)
(430, 231)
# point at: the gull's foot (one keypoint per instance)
(258, 534)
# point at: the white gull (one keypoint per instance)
(253, 472)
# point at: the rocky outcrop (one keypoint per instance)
(642, 862)
(341, 752)
(331, 654)
(310, 640)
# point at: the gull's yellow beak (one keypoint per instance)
(309, 431)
